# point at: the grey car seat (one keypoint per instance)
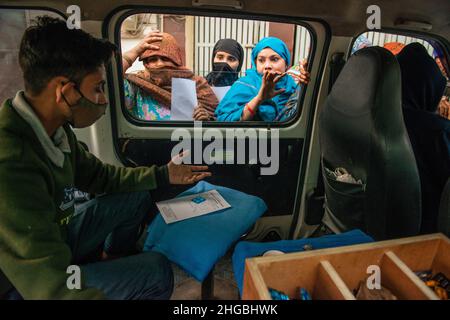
(362, 131)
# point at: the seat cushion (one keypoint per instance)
(246, 249)
(196, 244)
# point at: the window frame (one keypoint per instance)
(205, 13)
(407, 33)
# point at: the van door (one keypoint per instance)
(276, 170)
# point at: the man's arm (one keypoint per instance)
(33, 255)
(93, 176)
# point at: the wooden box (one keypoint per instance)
(333, 274)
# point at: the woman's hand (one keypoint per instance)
(303, 76)
(200, 114)
(147, 43)
(444, 108)
(130, 56)
(269, 80)
(185, 174)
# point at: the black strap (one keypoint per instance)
(337, 62)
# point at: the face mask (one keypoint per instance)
(85, 112)
(222, 75)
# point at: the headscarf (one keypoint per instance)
(246, 88)
(422, 81)
(394, 47)
(158, 82)
(222, 74)
(429, 133)
(437, 52)
(168, 47)
(360, 43)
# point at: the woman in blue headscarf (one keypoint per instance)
(265, 90)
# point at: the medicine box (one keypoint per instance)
(334, 274)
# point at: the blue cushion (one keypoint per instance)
(196, 244)
(246, 249)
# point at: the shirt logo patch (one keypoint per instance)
(69, 198)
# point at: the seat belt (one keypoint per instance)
(337, 62)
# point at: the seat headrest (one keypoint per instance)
(363, 77)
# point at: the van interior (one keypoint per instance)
(349, 115)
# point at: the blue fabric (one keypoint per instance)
(246, 88)
(246, 249)
(276, 45)
(196, 244)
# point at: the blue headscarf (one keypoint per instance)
(246, 88)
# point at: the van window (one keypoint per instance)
(187, 80)
(396, 42)
(393, 42)
(13, 23)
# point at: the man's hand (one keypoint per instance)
(185, 174)
(444, 108)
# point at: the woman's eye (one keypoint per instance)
(100, 88)
(231, 59)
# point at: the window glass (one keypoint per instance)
(396, 42)
(200, 68)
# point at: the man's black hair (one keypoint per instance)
(50, 49)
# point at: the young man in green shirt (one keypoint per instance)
(42, 165)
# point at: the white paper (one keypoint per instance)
(184, 99)
(220, 92)
(178, 209)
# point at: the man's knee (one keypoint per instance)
(139, 204)
(159, 284)
(143, 201)
(146, 209)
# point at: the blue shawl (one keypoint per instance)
(246, 88)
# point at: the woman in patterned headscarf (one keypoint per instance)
(148, 93)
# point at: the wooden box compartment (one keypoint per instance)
(330, 274)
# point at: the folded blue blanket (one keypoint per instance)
(246, 249)
(196, 244)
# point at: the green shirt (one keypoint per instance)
(36, 206)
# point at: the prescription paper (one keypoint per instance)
(184, 99)
(220, 92)
(182, 208)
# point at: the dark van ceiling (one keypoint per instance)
(346, 17)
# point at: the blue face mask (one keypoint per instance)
(85, 112)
